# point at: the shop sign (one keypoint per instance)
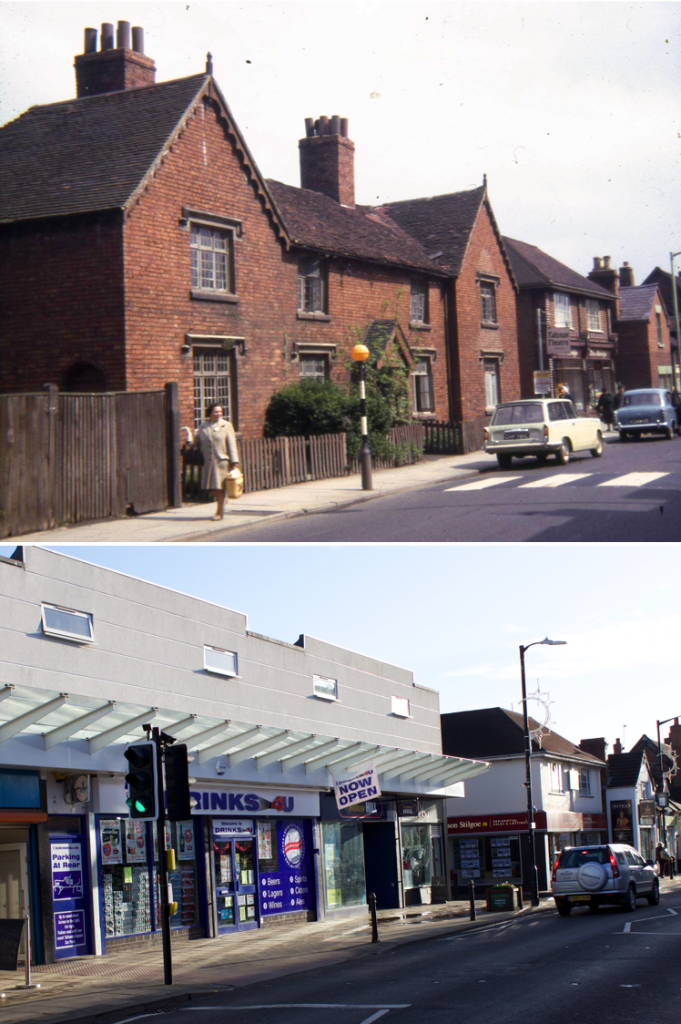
(110, 840)
(646, 813)
(408, 808)
(542, 382)
(136, 842)
(69, 929)
(270, 802)
(67, 871)
(558, 341)
(357, 786)
(291, 887)
(185, 836)
(493, 823)
(227, 828)
(622, 821)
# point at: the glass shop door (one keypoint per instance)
(235, 884)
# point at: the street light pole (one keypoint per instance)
(676, 383)
(534, 887)
(360, 354)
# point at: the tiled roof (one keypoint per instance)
(536, 269)
(624, 769)
(442, 224)
(664, 279)
(318, 222)
(637, 303)
(495, 732)
(88, 154)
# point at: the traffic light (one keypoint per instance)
(180, 802)
(142, 780)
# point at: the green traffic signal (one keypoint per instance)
(142, 781)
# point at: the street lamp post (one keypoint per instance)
(534, 887)
(360, 354)
(676, 383)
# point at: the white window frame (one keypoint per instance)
(212, 269)
(556, 781)
(422, 396)
(492, 382)
(321, 687)
(562, 310)
(584, 782)
(488, 298)
(418, 302)
(220, 670)
(593, 315)
(213, 372)
(320, 360)
(400, 707)
(311, 285)
(66, 634)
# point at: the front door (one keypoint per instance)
(14, 902)
(235, 883)
(70, 891)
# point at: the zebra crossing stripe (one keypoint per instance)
(557, 481)
(481, 485)
(633, 480)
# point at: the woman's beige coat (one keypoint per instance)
(217, 442)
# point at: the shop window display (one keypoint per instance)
(125, 877)
(180, 838)
(417, 861)
(487, 858)
(344, 884)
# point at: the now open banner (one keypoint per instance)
(357, 786)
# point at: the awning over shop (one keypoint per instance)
(47, 721)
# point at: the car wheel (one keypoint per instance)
(598, 450)
(563, 909)
(654, 897)
(504, 460)
(669, 433)
(630, 901)
(563, 453)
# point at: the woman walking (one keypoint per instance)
(217, 442)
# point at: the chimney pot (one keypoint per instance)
(598, 263)
(626, 276)
(309, 127)
(606, 263)
(123, 35)
(323, 125)
(138, 39)
(344, 131)
(107, 36)
(334, 125)
(90, 40)
(327, 159)
(209, 63)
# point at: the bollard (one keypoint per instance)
(519, 890)
(374, 922)
(472, 899)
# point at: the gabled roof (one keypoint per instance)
(653, 754)
(317, 222)
(637, 303)
(380, 334)
(624, 769)
(536, 269)
(499, 733)
(664, 280)
(98, 152)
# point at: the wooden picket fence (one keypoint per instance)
(410, 438)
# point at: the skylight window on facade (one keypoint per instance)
(215, 659)
(67, 623)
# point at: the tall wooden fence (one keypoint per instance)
(454, 438)
(67, 458)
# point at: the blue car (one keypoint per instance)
(647, 411)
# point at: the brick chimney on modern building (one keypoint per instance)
(597, 747)
(327, 159)
(626, 276)
(113, 68)
(607, 277)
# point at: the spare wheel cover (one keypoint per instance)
(592, 876)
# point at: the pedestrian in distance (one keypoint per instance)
(216, 440)
(562, 392)
(662, 858)
(605, 407)
(619, 396)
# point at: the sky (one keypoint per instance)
(571, 109)
(456, 616)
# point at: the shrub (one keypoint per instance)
(309, 407)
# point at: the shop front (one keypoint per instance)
(21, 815)
(586, 368)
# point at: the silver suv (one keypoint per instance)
(593, 875)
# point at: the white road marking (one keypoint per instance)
(374, 1016)
(633, 480)
(383, 1007)
(480, 485)
(557, 481)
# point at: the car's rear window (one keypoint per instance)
(575, 858)
(644, 398)
(508, 414)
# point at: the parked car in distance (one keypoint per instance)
(541, 427)
(646, 411)
(610, 874)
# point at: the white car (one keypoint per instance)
(541, 427)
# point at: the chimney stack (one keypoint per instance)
(597, 747)
(626, 276)
(617, 748)
(327, 159)
(607, 277)
(113, 69)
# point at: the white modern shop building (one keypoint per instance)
(89, 656)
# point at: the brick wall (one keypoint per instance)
(483, 256)
(61, 301)
(638, 354)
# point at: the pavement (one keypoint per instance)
(97, 990)
(193, 522)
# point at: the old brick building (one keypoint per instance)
(152, 249)
(565, 325)
(644, 358)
